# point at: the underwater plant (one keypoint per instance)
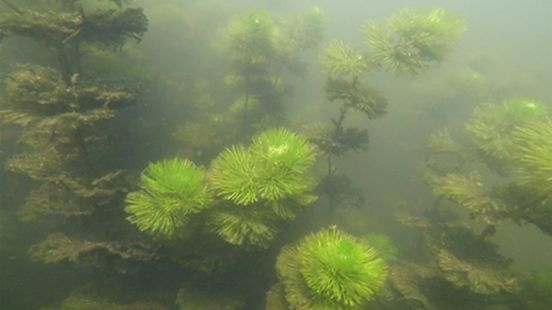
(459, 266)
(252, 38)
(171, 191)
(261, 186)
(260, 47)
(407, 42)
(410, 39)
(492, 125)
(66, 28)
(340, 59)
(534, 155)
(271, 169)
(65, 119)
(330, 269)
(511, 139)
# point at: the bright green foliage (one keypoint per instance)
(282, 159)
(243, 226)
(492, 125)
(410, 39)
(264, 182)
(330, 270)
(170, 192)
(534, 155)
(252, 38)
(340, 59)
(273, 168)
(233, 175)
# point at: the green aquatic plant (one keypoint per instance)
(273, 168)
(492, 125)
(283, 159)
(171, 191)
(534, 155)
(502, 173)
(357, 97)
(301, 31)
(244, 225)
(262, 184)
(469, 192)
(340, 59)
(330, 140)
(261, 49)
(412, 38)
(251, 39)
(65, 31)
(233, 176)
(330, 270)
(407, 42)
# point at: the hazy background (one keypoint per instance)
(505, 52)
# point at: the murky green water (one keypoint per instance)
(275, 154)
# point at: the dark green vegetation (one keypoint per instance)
(135, 185)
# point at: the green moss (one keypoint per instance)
(330, 270)
(170, 192)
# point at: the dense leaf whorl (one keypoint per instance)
(170, 192)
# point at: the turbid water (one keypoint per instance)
(277, 155)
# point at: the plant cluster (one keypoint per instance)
(330, 270)
(170, 193)
(257, 189)
(261, 51)
(63, 116)
(457, 266)
(407, 42)
(511, 139)
(410, 39)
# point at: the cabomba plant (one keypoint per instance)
(260, 48)
(512, 141)
(407, 42)
(263, 184)
(261, 51)
(330, 270)
(258, 188)
(171, 192)
(63, 115)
